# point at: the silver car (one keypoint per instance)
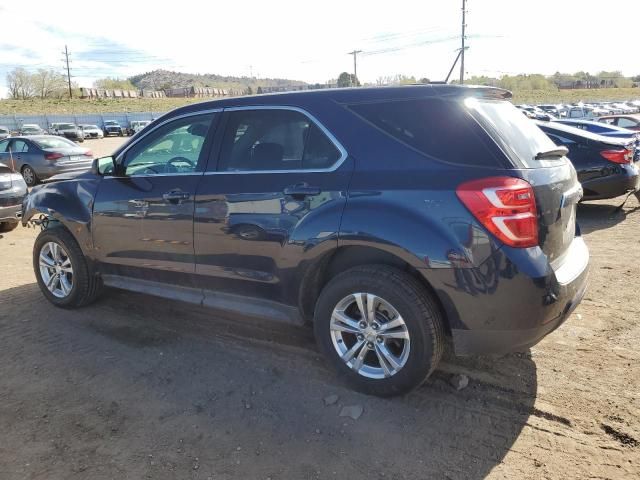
(39, 157)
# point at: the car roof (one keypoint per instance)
(31, 137)
(622, 115)
(602, 125)
(577, 132)
(348, 95)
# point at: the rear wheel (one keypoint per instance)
(63, 274)
(380, 329)
(29, 175)
(7, 226)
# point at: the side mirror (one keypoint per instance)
(104, 166)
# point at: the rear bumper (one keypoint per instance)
(11, 213)
(514, 300)
(613, 185)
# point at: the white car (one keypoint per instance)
(92, 131)
(136, 125)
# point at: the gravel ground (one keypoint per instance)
(140, 387)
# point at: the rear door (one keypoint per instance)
(21, 152)
(143, 219)
(276, 192)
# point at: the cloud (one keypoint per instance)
(310, 41)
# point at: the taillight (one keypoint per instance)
(622, 156)
(88, 153)
(506, 206)
(53, 156)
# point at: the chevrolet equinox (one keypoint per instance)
(390, 218)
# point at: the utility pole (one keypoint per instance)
(464, 26)
(355, 64)
(66, 59)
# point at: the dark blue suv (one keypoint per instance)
(390, 218)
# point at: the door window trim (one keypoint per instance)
(310, 117)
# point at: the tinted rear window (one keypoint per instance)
(519, 137)
(440, 128)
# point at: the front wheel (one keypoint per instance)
(380, 328)
(62, 271)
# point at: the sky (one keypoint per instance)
(310, 41)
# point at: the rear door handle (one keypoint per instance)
(301, 190)
(175, 196)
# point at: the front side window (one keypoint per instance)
(173, 148)
(3, 146)
(274, 140)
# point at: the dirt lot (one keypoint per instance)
(139, 387)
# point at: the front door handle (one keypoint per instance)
(138, 203)
(301, 190)
(175, 196)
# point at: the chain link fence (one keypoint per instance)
(15, 122)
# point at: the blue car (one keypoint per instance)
(388, 218)
(606, 130)
(605, 165)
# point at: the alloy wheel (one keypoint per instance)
(29, 175)
(370, 335)
(56, 270)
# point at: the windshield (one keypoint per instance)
(66, 126)
(110, 122)
(29, 129)
(54, 142)
(519, 137)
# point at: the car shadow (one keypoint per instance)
(142, 386)
(600, 216)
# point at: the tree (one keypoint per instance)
(48, 83)
(259, 91)
(20, 84)
(249, 90)
(109, 83)
(346, 79)
(424, 80)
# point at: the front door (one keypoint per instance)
(143, 218)
(276, 195)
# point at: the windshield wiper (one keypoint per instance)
(552, 154)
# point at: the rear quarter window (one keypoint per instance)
(440, 128)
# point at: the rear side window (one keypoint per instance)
(443, 129)
(519, 137)
(274, 140)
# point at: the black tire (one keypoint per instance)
(86, 287)
(8, 226)
(413, 302)
(33, 179)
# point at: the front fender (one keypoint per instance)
(68, 202)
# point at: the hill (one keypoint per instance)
(163, 79)
(36, 106)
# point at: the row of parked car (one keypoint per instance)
(580, 110)
(77, 133)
